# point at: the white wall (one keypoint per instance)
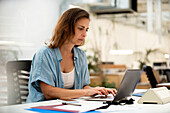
(28, 23)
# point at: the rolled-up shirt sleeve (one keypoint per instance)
(42, 70)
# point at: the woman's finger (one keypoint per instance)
(112, 91)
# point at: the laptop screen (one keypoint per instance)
(128, 84)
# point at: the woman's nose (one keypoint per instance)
(84, 34)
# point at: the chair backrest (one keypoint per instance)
(167, 72)
(17, 78)
(150, 75)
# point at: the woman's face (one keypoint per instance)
(81, 29)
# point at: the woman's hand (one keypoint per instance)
(99, 90)
(105, 91)
(91, 92)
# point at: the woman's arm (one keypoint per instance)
(51, 92)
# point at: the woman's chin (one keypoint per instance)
(78, 44)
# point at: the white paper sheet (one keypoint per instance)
(83, 108)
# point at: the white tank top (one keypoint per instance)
(68, 79)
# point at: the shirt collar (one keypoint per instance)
(75, 53)
(59, 56)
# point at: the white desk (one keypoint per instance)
(135, 108)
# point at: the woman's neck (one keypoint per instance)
(66, 49)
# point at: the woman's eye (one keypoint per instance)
(80, 28)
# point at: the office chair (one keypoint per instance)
(167, 72)
(150, 75)
(17, 78)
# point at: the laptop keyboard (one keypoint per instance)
(109, 97)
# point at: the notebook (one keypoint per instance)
(126, 88)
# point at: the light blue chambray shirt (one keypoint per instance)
(46, 67)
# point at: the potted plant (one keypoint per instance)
(145, 59)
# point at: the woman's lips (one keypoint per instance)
(81, 39)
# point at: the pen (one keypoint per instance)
(64, 103)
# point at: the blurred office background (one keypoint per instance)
(127, 33)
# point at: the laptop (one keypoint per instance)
(126, 88)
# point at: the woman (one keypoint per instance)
(60, 70)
